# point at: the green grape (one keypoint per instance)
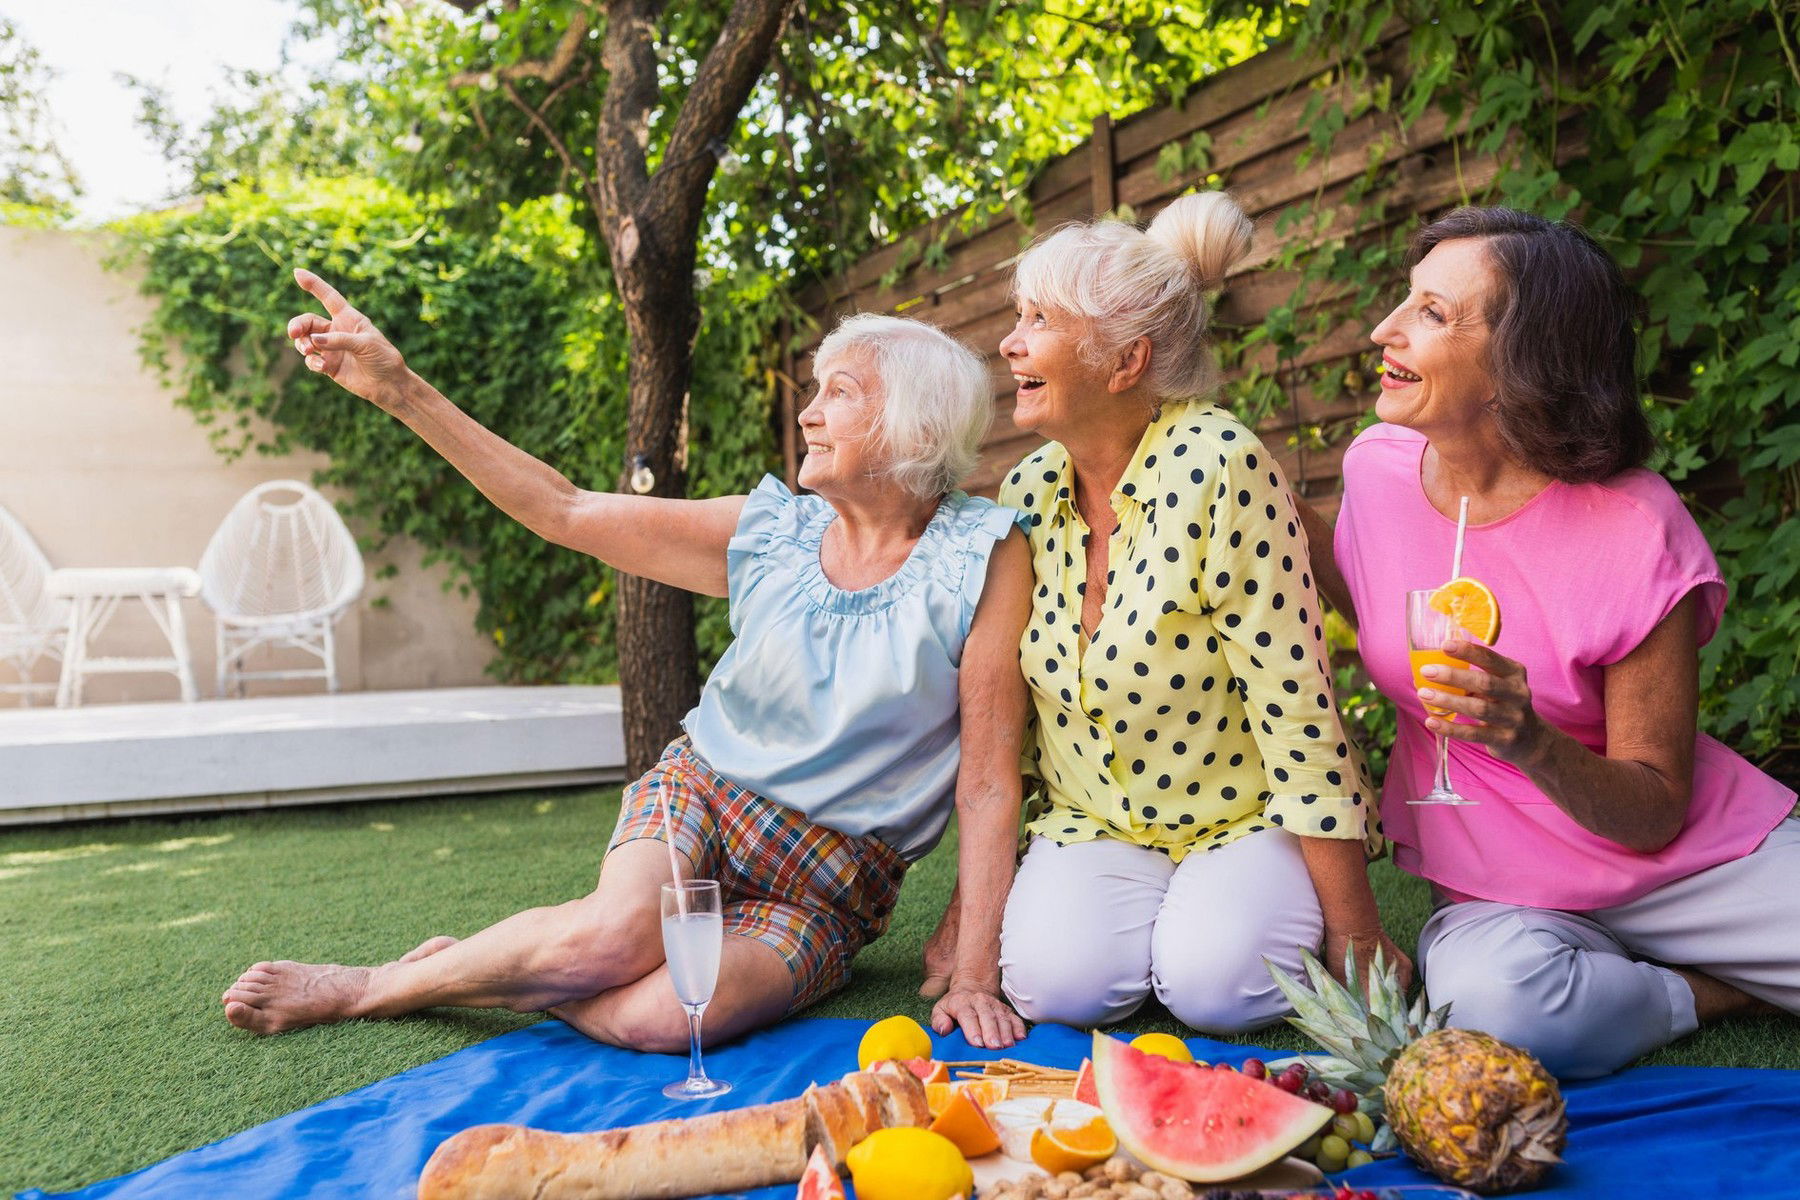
(1359, 1158)
(1365, 1128)
(1309, 1148)
(1334, 1152)
(1345, 1127)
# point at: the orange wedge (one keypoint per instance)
(1059, 1150)
(1471, 606)
(965, 1123)
(929, 1070)
(984, 1090)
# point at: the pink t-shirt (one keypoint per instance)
(1583, 573)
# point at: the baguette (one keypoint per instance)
(697, 1156)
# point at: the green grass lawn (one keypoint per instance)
(116, 939)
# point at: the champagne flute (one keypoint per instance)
(693, 930)
(1427, 629)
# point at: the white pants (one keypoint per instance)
(1573, 987)
(1091, 929)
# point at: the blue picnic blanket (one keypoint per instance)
(1654, 1131)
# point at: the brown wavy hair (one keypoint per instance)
(1563, 346)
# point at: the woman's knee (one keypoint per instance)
(1047, 977)
(1530, 1005)
(1216, 994)
(593, 944)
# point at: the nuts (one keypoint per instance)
(1117, 1178)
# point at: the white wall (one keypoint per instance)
(103, 469)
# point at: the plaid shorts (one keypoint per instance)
(813, 895)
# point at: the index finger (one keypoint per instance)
(1478, 655)
(327, 295)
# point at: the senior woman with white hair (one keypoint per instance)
(872, 686)
(1204, 809)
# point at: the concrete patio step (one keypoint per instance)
(128, 759)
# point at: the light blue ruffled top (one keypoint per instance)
(843, 705)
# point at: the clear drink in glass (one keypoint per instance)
(693, 930)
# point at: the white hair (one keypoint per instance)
(938, 397)
(1122, 283)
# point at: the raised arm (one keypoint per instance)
(678, 542)
(994, 702)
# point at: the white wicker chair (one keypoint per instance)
(280, 571)
(33, 625)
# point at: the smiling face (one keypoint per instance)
(1057, 388)
(1435, 344)
(839, 423)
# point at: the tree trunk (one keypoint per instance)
(651, 224)
(658, 660)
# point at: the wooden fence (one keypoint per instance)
(1254, 115)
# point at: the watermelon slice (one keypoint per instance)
(1196, 1123)
(1084, 1084)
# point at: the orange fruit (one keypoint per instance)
(966, 1125)
(1059, 1150)
(983, 1090)
(929, 1070)
(1472, 606)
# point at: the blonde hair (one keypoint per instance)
(938, 397)
(1123, 283)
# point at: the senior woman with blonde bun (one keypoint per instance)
(806, 782)
(1203, 807)
(1619, 878)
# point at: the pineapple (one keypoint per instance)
(1470, 1109)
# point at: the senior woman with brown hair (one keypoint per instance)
(806, 782)
(1620, 877)
(1203, 807)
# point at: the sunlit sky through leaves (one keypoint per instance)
(184, 46)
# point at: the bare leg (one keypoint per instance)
(528, 962)
(428, 947)
(1715, 999)
(755, 989)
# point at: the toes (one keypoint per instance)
(244, 1017)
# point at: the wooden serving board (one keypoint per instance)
(1291, 1173)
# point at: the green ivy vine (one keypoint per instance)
(514, 328)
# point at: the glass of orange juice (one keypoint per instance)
(1427, 629)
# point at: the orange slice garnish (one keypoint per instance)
(985, 1090)
(1059, 1150)
(965, 1123)
(1471, 606)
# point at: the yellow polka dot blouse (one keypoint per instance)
(1201, 710)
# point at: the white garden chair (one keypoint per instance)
(33, 624)
(280, 572)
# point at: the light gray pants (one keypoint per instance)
(1574, 989)
(1092, 929)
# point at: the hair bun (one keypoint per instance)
(1209, 231)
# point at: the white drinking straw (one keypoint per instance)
(674, 860)
(1462, 527)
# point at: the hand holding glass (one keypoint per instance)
(1427, 629)
(693, 930)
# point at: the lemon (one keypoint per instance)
(1165, 1044)
(895, 1037)
(908, 1164)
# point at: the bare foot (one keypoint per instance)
(275, 997)
(429, 947)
